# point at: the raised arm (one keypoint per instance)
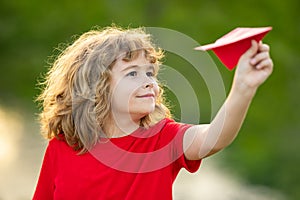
(254, 67)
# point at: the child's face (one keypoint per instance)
(134, 88)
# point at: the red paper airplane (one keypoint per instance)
(231, 46)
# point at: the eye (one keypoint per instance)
(133, 73)
(150, 74)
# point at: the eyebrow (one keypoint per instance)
(138, 66)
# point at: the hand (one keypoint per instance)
(254, 67)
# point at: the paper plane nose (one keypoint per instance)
(231, 46)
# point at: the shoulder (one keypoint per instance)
(169, 130)
(58, 150)
(58, 143)
(175, 127)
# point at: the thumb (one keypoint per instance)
(252, 50)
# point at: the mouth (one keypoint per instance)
(150, 95)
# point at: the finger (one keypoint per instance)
(259, 57)
(267, 63)
(252, 50)
(263, 47)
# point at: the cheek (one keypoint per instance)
(156, 89)
(123, 91)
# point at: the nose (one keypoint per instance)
(149, 85)
(148, 82)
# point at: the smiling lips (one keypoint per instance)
(146, 96)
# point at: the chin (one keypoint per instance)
(142, 113)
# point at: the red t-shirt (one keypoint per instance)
(142, 165)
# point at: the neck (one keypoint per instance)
(121, 126)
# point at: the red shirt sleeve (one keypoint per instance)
(182, 162)
(45, 186)
(177, 131)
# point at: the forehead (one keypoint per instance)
(139, 60)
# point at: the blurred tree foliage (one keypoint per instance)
(265, 152)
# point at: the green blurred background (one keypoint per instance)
(267, 149)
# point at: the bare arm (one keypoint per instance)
(253, 69)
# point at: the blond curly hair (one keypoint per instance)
(76, 94)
